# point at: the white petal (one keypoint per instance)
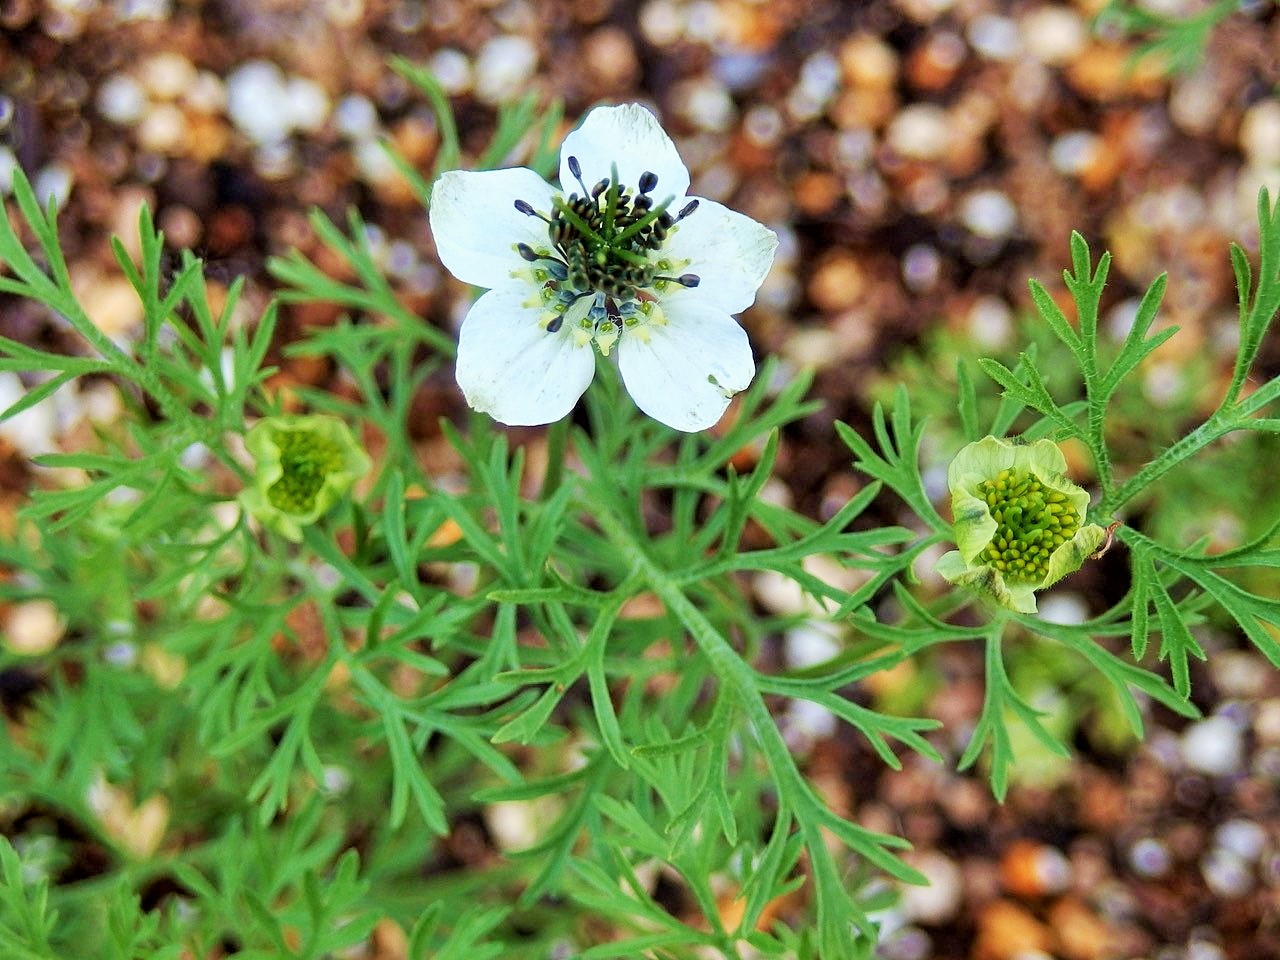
(669, 376)
(476, 225)
(730, 253)
(631, 137)
(514, 370)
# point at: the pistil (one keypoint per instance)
(1032, 521)
(602, 243)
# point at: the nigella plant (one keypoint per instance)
(617, 260)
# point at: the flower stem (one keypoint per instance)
(1212, 429)
(556, 440)
(735, 676)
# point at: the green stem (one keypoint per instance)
(731, 670)
(1217, 426)
(557, 438)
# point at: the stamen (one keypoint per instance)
(648, 181)
(689, 280)
(575, 168)
(689, 207)
(527, 209)
(557, 266)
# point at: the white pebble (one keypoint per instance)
(995, 37)
(706, 104)
(255, 101)
(401, 259)
(168, 75)
(763, 125)
(1226, 874)
(939, 901)
(1203, 950)
(122, 100)
(1119, 319)
(1244, 838)
(52, 184)
(1163, 383)
(1074, 152)
(989, 213)
(921, 267)
(1213, 746)
(1238, 674)
(207, 94)
(921, 132)
(8, 165)
(1054, 35)
(808, 722)
(705, 24)
(32, 431)
(1064, 608)
(518, 824)
(306, 103)
(344, 13)
(1260, 133)
(122, 653)
(1195, 104)
(356, 117)
(275, 160)
(820, 76)
(855, 149)
(33, 627)
(1150, 858)
(662, 22)
(452, 71)
(127, 10)
(811, 643)
(504, 67)
(1053, 869)
(1266, 720)
(337, 780)
(373, 163)
(990, 321)
(163, 129)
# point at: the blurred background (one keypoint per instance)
(920, 160)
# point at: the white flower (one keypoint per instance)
(618, 259)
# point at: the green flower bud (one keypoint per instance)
(1019, 522)
(304, 465)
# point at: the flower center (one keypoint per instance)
(306, 460)
(1032, 520)
(605, 243)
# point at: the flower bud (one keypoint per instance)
(303, 466)
(1019, 522)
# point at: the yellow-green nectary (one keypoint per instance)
(303, 466)
(1019, 522)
